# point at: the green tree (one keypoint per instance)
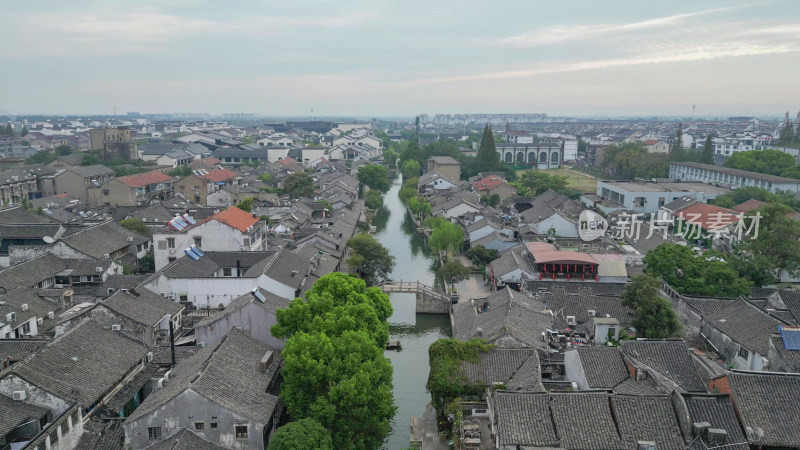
(537, 182)
(136, 225)
(303, 434)
(488, 158)
(481, 256)
(775, 248)
(24, 131)
(9, 130)
(453, 270)
(374, 176)
(678, 147)
(246, 204)
(344, 382)
(373, 200)
(389, 156)
(631, 160)
(64, 150)
(772, 162)
(180, 171)
(655, 318)
(369, 259)
(787, 134)
(264, 177)
(491, 200)
(411, 168)
(796, 139)
(42, 157)
(411, 151)
(337, 302)
(446, 236)
(708, 274)
(708, 151)
(90, 160)
(299, 184)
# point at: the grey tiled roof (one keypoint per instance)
(631, 386)
(185, 440)
(648, 418)
(100, 435)
(718, 411)
(708, 305)
(17, 413)
(790, 357)
(91, 171)
(603, 366)
(791, 299)
(511, 261)
(102, 239)
(510, 314)
(36, 307)
(31, 272)
(142, 305)
(28, 230)
(584, 421)
(524, 419)
(768, 401)
(17, 349)
(20, 215)
(613, 289)
(273, 303)
(87, 352)
(229, 375)
(288, 268)
(746, 324)
(670, 358)
(528, 377)
(498, 365)
(579, 305)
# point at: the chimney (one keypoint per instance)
(266, 360)
(172, 341)
(480, 332)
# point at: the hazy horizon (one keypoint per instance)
(383, 59)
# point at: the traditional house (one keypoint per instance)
(132, 190)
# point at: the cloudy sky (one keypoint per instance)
(392, 57)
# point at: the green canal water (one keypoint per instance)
(396, 231)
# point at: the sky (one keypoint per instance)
(371, 58)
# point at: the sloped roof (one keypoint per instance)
(603, 366)
(545, 253)
(709, 217)
(87, 352)
(227, 373)
(670, 358)
(768, 401)
(588, 418)
(501, 365)
(91, 171)
(219, 175)
(749, 205)
(143, 179)
(648, 418)
(142, 306)
(746, 324)
(16, 413)
(234, 217)
(273, 303)
(524, 419)
(185, 440)
(718, 411)
(102, 239)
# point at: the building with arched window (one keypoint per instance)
(540, 155)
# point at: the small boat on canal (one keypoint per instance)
(394, 345)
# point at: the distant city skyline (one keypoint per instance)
(381, 58)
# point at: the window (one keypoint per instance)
(213, 425)
(226, 272)
(743, 353)
(184, 298)
(170, 242)
(105, 191)
(26, 328)
(241, 431)
(170, 259)
(246, 242)
(154, 433)
(198, 241)
(199, 426)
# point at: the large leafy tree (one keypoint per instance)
(446, 236)
(775, 248)
(655, 318)
(707, 274)
(411, 168)
(771, 162)
(335, 303)
(344, 382)
(537, 182)
(488, 159)
(631, 160)
(374, 176)
(63, 150)
(707, 156)
(303, 434)
(369, 259)
(136, 225)
(453, 270)
(299, 184)
(42, 157)
(787, 134)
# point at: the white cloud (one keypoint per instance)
(567, 33)
(133, 28)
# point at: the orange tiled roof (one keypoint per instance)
(651, 142)
(218, 175)
(288, 160)
(749, 205)
(235, 217)
(143, 179)
(488, 183)
(210, 161)
(709, 217)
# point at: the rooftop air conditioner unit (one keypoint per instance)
(116, 327)
(24, 306)
(10, 317)
(98, 269)
(130, 238)
(148, 357)
(106, 256)
(592, 313)
(201, 344)
(645, 445)
(161, 383)
(39, 321)
(571, 320)
(51, 315)
(20, 396)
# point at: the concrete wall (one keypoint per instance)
(252, 319)
(481, 232)
(193, 188)
(573, 370)
(106, 318)
(119, 194)
(214, 235)
(36, 395)
(188, 408)
(562, 226)
(730, 350)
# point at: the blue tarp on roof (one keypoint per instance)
(791, 337)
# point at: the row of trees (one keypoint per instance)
(789, 135)
(772, 162)
(8, 130)
(632, 160)
(537, 182)
(335, 374)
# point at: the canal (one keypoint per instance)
(413, 261)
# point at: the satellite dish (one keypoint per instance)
(48, 240)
